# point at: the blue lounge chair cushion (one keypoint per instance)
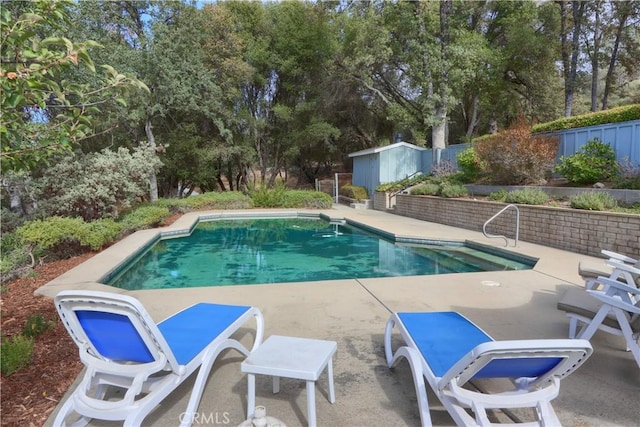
(116, 338)
(443, 338)
(187, 334)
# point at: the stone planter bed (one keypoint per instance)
(574, 230)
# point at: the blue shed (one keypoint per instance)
(390, 163)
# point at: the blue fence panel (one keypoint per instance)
(623, 137)
(372, 169)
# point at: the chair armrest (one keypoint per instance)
(622, 266)
(616, 301)
(619, 257)
(629, 293)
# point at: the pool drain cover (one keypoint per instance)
(490, 283)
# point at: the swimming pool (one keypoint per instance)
(226, 252)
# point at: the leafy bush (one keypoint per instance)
(527, 196)
(36, 325)
(515, 156)
(65, 237)
(307, 199)
(498, 196)
(15, 353)
(101, 233)
(10, 220)
(613, 115)
(354, 192)
(144, 217)
(222, 200)
(15, 257)
(96, 185)
(593, 201)
(469, 164)
(452, 190)
(210, 200)
(628, 176)
(264, 197)
(428, 189)
(596, 161)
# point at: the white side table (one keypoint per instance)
(289, 357)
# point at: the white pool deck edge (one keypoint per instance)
(603, 392)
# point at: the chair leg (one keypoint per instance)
(416, 370)
(64, 412)
(588, 332)
(632, 344)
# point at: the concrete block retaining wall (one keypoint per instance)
(574, 230)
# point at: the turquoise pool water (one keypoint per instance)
(252, 251)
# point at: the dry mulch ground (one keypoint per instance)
(30, 395)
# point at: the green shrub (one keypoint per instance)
(52, 231)
(96, 185)
(145, 217)
(515, 156)
(596, 161)
(593, 201)
(10, 220)
(452, 190)
(307, 199)
(36, 325)
(64, 236)
(613, 115)
(14, 255)
(101, 233)
(209, 200)
(469, 165)
(264, 197)
(428, 189)
(15, 353)
(527, 196)
(498, 196)
(354, 192)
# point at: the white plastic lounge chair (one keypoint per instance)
(615, 309)
(616, 266)
(121, 346)
(449, 351)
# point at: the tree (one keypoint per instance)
(627, 15)
(43, 112)
(571, 18)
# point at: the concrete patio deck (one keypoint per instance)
(603, 392)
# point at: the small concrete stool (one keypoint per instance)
(289, 357)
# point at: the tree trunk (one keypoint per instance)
(594, 57)
(570, 50)
(438, 133)
(153, 179)
(473, 119)
(439, 129)
(608, 82)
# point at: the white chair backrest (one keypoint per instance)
(113, 327)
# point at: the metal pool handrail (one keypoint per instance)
(506, 240)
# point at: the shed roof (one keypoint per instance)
(386, 147)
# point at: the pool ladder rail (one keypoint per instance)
(506, 240)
